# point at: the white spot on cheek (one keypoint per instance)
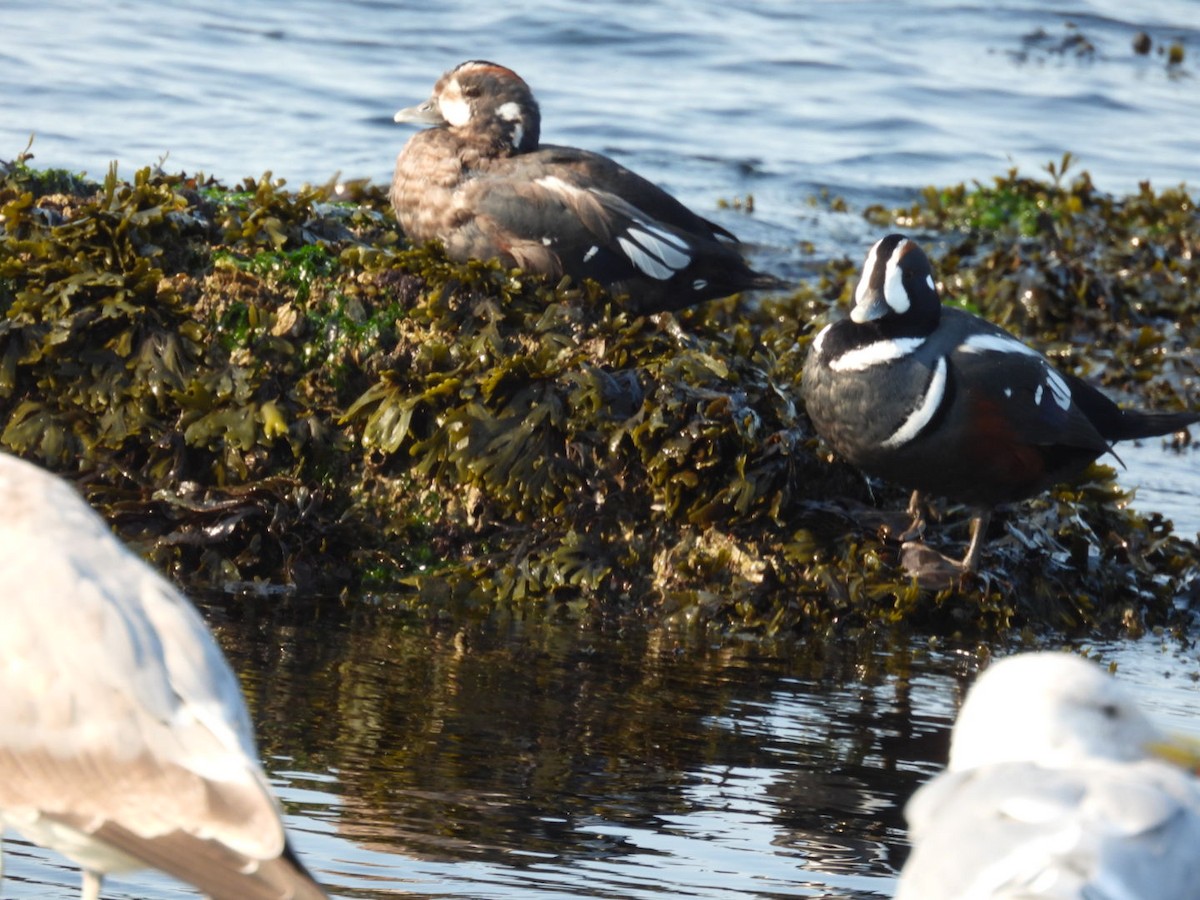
(1008, 393)
(454, 108)
(456, 112)
(511, 112)
(929, 281)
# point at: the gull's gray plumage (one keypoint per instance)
(1052, 791)
(124, 739)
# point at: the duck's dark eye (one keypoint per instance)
(470, 91)
(1109, 711)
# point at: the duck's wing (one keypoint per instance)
(1020, 400)
(558, 218)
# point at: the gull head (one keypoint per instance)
(1051, 709)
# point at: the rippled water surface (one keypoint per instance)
(506, 759)
(712, 99)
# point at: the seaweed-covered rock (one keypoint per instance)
(271, 390)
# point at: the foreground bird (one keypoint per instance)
(480, 182)
(124, 739)
(939, 400)
(1053, 790)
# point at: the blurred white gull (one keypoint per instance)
(1055, 789)
(124, 739)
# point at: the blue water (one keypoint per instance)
(712, 99)
(777, 99)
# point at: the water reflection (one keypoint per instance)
(561, 761)
(586, 761)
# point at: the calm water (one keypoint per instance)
(510, 759)
(535, 761)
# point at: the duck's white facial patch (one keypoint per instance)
(864, 281)
(878, 353)
(511, 112)
(893, 281)
(454, 107)
(895, 295)
(999, 343)
(929, 281)
(924, 412)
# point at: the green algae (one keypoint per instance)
(269, 389)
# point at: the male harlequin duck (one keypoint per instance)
(480, 182)
(946, 403)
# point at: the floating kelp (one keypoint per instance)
(269, 389)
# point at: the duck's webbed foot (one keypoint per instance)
(936, 571)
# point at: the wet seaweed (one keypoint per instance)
(269, 389)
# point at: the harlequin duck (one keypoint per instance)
(480, 182)
(946, 403)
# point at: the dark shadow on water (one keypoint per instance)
(509, 758)
(570, 760)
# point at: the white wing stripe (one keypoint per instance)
(664, 245)
(876, 354)
(925, 411)
(1059, 389)
(644, 261)
(999, 343)
(652, 249)
(660, 234)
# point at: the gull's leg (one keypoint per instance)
(91, 885)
